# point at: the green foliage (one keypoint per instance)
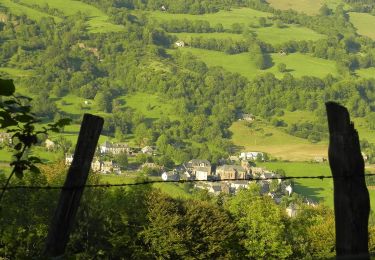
(16, 118)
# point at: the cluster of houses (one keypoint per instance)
(228, 178)
(108, 148)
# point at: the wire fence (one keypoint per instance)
(149, 182)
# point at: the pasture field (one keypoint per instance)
(19, 9)
(186, 37)
(238, 63)
(226, 18)
(15, 73)
(303, 65)
(297, 116)
(297, 64)
(151, 106)
(366, 73)
(316, 189)
(97, 22)
(263, 137)
(364, 23)
(272, 35)
(310, 7)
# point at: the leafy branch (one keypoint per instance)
(16, 118)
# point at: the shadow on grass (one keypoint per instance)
(310, 192)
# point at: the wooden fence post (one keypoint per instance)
(63, 219)
(351, 198)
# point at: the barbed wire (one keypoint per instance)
(148, 182)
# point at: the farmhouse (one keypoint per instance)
(49, 144)
(237, 185)
(180, 44)
(105, 167)
(197, 163)
(231, 172)
(68, 159)
(252, 156)
(110, 148)
(202, 173)
(246, 117)
(147, 150)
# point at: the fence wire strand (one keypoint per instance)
(148, 182)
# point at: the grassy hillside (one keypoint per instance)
(366, 73)
(19, 9)
(297, 64)
(151, 106)
(264, 137)
(14, 72)
(97, 22)
(319, 190)
(272, 35)
(310, 7)
(364, 23)
(316, 189)
(226, 18)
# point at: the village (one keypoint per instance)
(229, 176)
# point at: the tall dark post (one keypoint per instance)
(62, 222)
(351, 198)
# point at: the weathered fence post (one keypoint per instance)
(351, 198)
(63, 219)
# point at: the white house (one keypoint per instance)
(147, 150)
(68, 159)
(111, 148)
(180, 43)
(202, 173)
(289, 189)
(49, 144)
(252, 155)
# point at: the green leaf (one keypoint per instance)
(7, 87)
(34, 169)
(24, 118)
(35, 159)
(19, 173)
(18, 146)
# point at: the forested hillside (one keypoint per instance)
(179, 76)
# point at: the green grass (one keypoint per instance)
(298, 116)
(226, 18)
(303, 65)
(266, 138)
(310, 7)
(186, 37)
(19, 9)
(297, 64)
(14, 72)
(316, 189)
(364, 23)
(363, 131)
(151, 106)
(319, 190)
(97, 22)
(366, 73)
(272, 35)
